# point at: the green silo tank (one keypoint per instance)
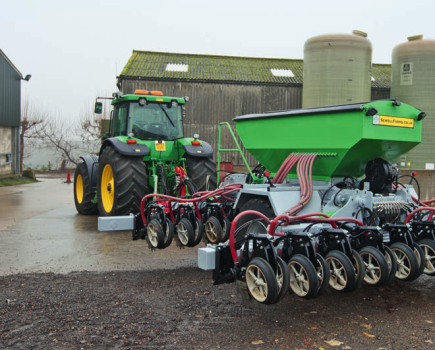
(413, 82)
(337, 69)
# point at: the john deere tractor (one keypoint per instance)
(144, 152)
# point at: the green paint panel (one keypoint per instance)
(173, 149)
(345, 131)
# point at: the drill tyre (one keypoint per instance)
(342, 273)
(407, 263)
(323, 273)
(421, 258)
(304, 281)
(359, 267)
(392, 263)
(261, 281)
(283, 279)
(258, 227)
(377, 270)
(121, 183)
(428, 247)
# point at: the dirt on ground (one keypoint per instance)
(182, 309)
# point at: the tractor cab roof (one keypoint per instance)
(150, 96)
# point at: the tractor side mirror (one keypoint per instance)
(98, 108)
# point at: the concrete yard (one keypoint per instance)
(40, 231)
(63, 285)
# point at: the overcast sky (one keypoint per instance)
(74, 50)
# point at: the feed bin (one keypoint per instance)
(337, 69)
(345, 136)
(413, 81)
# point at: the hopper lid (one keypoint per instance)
(360, 33)
(415, 37)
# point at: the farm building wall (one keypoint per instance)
(10, 116)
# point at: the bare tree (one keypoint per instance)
(58, 135)
(68, 139)
(30, 120)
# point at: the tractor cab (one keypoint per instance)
(148, 115)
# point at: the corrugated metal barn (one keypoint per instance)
(10, 116)
(223, 87)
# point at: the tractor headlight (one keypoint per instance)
(142, 101)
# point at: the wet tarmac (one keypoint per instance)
(40, 231)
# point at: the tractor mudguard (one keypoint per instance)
(91, 162)
(205, 150)
(125, 149)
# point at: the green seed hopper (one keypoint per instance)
(346, 136)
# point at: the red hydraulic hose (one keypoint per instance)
(332, 220)
(223, 190)
(274, 223)
(410, 215)
(285, 168)
(427, 203)
(288, 219)
(233, 230)
(304, 172)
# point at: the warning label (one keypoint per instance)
(393, 121)
(406, 71)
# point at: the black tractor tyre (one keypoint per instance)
(129, 183)
(259, 205)
(83, 194)
(198, 168)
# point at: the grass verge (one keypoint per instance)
(16, 180)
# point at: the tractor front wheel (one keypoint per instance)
(83, 194)
(121, 184)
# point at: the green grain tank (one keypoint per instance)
(345, 137)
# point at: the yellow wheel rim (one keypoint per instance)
(79, 189)
(107, 188)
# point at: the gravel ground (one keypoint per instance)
(182, 309)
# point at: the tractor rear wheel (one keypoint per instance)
(83, 194)
(198, 168)
(121, 184)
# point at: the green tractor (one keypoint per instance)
(144, 152)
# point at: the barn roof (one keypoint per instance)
(232, 69)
